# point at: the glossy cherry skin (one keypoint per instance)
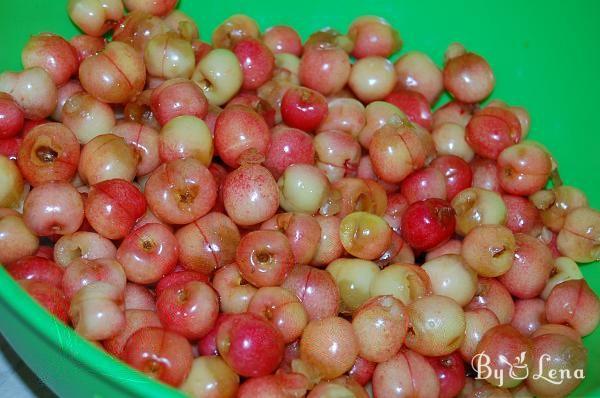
(524, 168)
(12, 117)
(282, 308)
(491, 130)
(135, 320)
(49, 152)
(16, 239)
(282, 40)
(207, 345)
(34, 268)
(178, 97)
(237, 129)
(450, 370)
(408, 374)
(148, 253)
(398, 150)
(362, 370)
(160, 354)
(181, 191)
(208, 243)
(502, 342)
(427, 224)
(468, 78)
(279, 385)
(456, 171)
(574, 303)
(52, 53)
(82, 272)
(422, 184)
(259, 105)
(492, 295)
(303, 233)
(264, 258)
(325, 70)
(414, 105)
(373, 36)
(521, 215)
(179, 278)
(9, 147)
(190, 309)
(316, 290)
(288, 146)
(303, 108)
(48, 296)
(329, 346)
(250, 195)
(53, 208)
(115, 75)
(532, 258)
(85, 45)
(250, 345)
(145, 140)
(256, 60)
(112, 207)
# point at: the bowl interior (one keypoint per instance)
(545, 57)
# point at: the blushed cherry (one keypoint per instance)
(417, 72)
(211, 377)
(134, 321)
(34, 268)
(50, 152)
(373, 36)
(190, 309)
(208, 243)
(160, 354)
(16, 239)
(492, 295)
(250, 204)
(303, 233)
(33, 90)
(96, 311)
(148, 253)
(234, 292)
(316, 289)
(95, 17)
(264, 257)
(107, 157)
(288, 146)
(82, 272)
(181, 191)
(282, 39)
(233, 29)
(329, 345)
(145, 140)
(112, 207)
(250, 345)
(115, 75)
(53, 208)
(345, 115)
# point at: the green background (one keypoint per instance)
(545, 55)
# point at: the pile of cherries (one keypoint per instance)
(258, 217)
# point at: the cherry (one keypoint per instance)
(250, 345)
(428, 223)
(160, 354)
(303, 108)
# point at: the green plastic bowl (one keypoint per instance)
(545, 55)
